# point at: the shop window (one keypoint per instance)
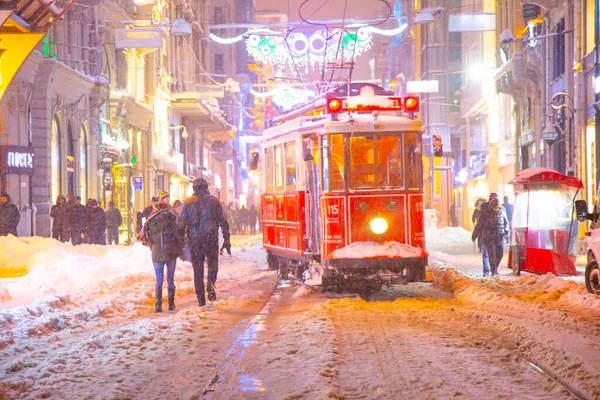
(337, 162)
(362, 162)
(55, 160)
(389, 161)
(83, 164)
(279, 167)
(290, 166)
(412, 157)
(269, 164)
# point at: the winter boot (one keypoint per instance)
(212, 295)
(172, 299)
(158, 304)
(200, 295)
(201, 300)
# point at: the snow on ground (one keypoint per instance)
(83, 318)
(447, 235)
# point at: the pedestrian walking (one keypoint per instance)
(252, 219)
(491, 228)
(177, 207)
(114, 219)
(95, 224)
(74, 220)
(57, 212)
(165, 240)
(200, 219)
(509, 208)
(242, 218)
(453, 216)
(9, 216)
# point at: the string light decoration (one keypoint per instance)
(286, 97)
(304, 50)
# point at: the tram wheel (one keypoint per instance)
(272, 262)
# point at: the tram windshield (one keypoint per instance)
(384, 162)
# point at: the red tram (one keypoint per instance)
(343, 186)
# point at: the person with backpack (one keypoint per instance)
(200, 219)
(163, 236)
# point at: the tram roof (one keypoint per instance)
(346, 123)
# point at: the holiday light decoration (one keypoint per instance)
(286, 97)
(302, 50)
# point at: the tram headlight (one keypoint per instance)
(378, 226)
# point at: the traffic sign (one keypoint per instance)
(137, 183)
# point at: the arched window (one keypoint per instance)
(83, 164)
(70, 160)
(55, 160)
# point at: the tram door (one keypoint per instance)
(312, 157)
(122, 196)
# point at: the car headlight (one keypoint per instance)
(378, 226)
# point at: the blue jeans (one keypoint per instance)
(159, 268)
(486, 259)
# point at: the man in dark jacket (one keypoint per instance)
(9, 216)
(201, 217)
(74, 220)
(509, 208)
(113, 222)
(95, 223)
(242, 219)
(58, 216)
(252, 219)
(163, 235)
(491, 228)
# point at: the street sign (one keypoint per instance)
(137, 183)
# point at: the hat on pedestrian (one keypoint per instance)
(163, 196)
(493, 196)
(93, 202)
(200, 184)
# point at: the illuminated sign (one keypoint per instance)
(136, 38)
(16, 160)
(371, 104)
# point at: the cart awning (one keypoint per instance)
(545, 175)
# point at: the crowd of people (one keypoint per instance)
(242, 220)
(492, 225)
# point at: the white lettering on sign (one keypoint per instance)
(19, 160)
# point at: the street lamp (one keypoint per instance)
(549, 135)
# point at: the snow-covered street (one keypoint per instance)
(81, 324)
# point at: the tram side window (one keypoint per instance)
(389, 161)
(325, 169)
(269, 162)
(290, 166)
(337, 162)
(279, 167)
(414, 163)
(362, 162)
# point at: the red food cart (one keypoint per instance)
(544, 226)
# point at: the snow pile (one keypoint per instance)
(378, 250)
(448, 235)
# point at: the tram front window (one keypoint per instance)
(376, 162)
(389, 161)
(362, 162)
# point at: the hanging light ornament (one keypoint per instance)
(303, 50)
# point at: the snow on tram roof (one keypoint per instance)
(346, 123)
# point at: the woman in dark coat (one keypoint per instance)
(95, 223)
(58, 217)
(9, 216)
(165, 241)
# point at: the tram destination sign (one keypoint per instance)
(375, 103)
(18, 160)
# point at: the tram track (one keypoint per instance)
(227, 369)
(537, 366)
